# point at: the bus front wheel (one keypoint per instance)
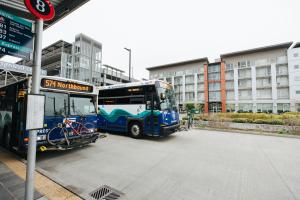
(135, 130)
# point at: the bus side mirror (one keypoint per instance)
(162, 96)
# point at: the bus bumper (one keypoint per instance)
(167, 130)
(74, 143)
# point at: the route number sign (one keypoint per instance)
(41, 9)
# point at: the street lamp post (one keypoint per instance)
(129, 50)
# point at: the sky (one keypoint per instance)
(167, 31)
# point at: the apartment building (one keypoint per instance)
(265, 79)
(186, 77)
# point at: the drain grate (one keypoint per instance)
(106, 193)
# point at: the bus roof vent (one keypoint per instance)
(106, 193)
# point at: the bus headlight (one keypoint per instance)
(91, 130)
(41, 137)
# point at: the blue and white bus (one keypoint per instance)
(65, 99)
(140, 108)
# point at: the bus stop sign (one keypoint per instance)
(41, 9)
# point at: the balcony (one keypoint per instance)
(281, 60)
(263, 75)
(245, 87)
(245, 97)
(282, 84)
(262, 62)
(263, 86)
(282, 73)
(247, 76)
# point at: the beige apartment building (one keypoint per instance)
(265, 79)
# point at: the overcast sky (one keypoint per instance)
(166, 31)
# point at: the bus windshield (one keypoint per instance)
(82, 105)
(62, 104)
(56, 103)
(169, 102)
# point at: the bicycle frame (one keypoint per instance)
(70, 124)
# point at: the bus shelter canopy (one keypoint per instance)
(62, 9)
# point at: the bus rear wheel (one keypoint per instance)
(135, 130)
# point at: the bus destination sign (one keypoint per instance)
(16, 37)
(61, 85)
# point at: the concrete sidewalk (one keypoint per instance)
(12, 181)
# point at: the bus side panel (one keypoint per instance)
(115, 117)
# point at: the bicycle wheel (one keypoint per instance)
(56, 132)
(87, 128)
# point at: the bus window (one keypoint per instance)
(56, 104)
(81, 105)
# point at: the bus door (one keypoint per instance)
(19, 117)
(151, 106)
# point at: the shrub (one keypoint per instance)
(277, 122)
(269, 121)
(240, 120)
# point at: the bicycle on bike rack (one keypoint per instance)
(69, 128)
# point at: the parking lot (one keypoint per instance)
(190, 165)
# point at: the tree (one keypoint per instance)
(189, 106)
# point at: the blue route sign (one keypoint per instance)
(16, 37)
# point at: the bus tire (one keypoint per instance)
(135, 129)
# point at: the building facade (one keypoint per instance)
(80, 60)
(265, 79)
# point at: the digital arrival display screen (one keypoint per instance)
(16, 37)
(68, 86)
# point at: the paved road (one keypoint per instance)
(185, 166)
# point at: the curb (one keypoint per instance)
(46, 174)
(248, 132)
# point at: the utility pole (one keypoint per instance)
(129, 50)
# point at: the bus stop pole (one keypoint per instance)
(36, 72)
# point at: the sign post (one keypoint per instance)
(42, 10)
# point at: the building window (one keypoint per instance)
(200, 96)
(297, 78)
(296, 67)
(265, 107)
(296, 55)
(229, 66)
(230, 107)
(245, 94)
(298, 92)
(214, 86)
(214, 76)
(264, 94)
(245, 107)
(283, 93)
(230, 95)
(283, 107)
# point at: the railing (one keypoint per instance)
(263, 85)
(282, 73)
(262, 62)
(282, 60)
(263, 74)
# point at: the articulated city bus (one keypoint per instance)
(70, 114)
(138, 108)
